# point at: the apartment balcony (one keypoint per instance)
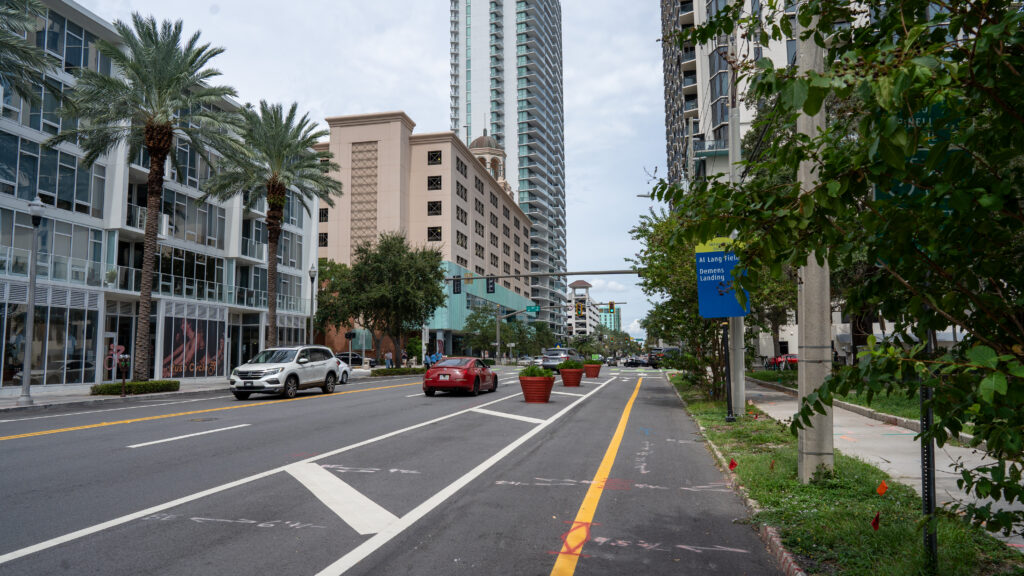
(686, 14)
(14, 262)
(253, 250)
(706, 148)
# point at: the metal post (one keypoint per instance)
(35, 208)
(931, 544)
(730, 416)
(815, 443)
(312, 296)
(497, 332)
(736, 327)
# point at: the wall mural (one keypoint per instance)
(193, 348)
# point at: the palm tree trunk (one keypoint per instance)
(276, 197)
(158, 142)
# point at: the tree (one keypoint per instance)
(343, 302)
(162, 91)
(22, 65)
(542, 338)
(924, 186)
(479, 331)
(274, 155)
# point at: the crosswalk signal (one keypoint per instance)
(611, 307)
(457, 285)
(490, 285)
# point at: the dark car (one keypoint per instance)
(463, 374)
(354, 360)
(657, 355)
(635, 361)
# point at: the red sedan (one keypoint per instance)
(783, 362)
(459, 374)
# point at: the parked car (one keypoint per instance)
(555, 356)
(285, 371)
(656, 355)
(462, 374)
(354, 359)
(612, 361)
(538, 361)
(524, 360)
(782, 362)
(635, 361)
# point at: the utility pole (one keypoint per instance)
(497, 333)
(737, 352)
(814, 444)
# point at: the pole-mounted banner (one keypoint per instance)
(716, 294)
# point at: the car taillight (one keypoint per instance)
(338, 361)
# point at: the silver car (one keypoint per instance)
(555, 356)
(285, 371)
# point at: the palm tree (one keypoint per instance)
(161, 92)
(22, 65)
(274, 153)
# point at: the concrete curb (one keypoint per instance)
(914, 425)
(769, 535)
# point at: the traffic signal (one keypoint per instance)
(457, 285)
(490, 285)
(611, 307)
(579, 310)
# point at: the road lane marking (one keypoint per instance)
(566, 393)
(110, 410)
(185, 436)
(206, 411)
(364, 515)
(507, 415)
(576, 537)
(360, 552)
(416, 394)
(57, 541)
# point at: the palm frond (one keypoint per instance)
(21, 63)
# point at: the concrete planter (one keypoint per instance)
(537, 389)
(592, 370)
(571, 376)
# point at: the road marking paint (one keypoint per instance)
(110, 410)
(507, 415)
(416, 394)
(206, 411)
(364, 515)
(241, 482)
(185, 436)
(357, 554)
(572, 546)
(567, 393)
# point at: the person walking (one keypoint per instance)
(387, 359)
(405, 359)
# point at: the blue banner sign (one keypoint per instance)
(716, 296)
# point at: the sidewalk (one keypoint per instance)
(46, 397)
(890, 448)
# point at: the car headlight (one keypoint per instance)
(272, 371)
(234, 372)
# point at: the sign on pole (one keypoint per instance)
(533, 308)
(716, 295)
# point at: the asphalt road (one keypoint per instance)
(609, 478)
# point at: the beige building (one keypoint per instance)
(439, 193)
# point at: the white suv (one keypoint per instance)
(285, 371)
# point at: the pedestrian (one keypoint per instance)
(387, 359)
(405, 358)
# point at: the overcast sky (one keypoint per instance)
(337, 57)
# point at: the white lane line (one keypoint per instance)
(186, 436)
(416, 394)
(72, 536)
(568, 393)
(507, 415)
(110, 409)
(364, 515)
(381, 538)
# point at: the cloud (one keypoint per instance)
(635, 330)
(602, 285)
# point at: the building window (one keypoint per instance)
(494, 260)
(461, 261)
(517, 257)
(434, 157)
(460, 167)
(460, 214)
(515, 239)
(461, 239)
(515, 222)
(505, 212)
(323, 239)
(480, 270)
(433, 182)
(479, 207)
(504, 230)
(323, 214)
(434, 234)
(478, 184)
(434, 208)
(506, 284)
(460, 190)
(478, 250)
(494, 200)
(478, 228)
(506, 268)
(494, 240)
(494, 221)
(504, 249)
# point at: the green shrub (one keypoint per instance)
(147, 387)
(592, 363)
(489, 361)
(570, 365)
(397, 371)
(536, 371)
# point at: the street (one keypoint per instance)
(609, 478)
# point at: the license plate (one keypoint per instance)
(443, 377)
(247, 384)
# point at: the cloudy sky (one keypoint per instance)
(337, 57)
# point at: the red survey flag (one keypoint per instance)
(772, 466)
(874, 523)
(882, 488)
(732, 464)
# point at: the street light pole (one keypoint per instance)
(35, 208)
(312, 293)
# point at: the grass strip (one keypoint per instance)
(827, 524)
(897, 405)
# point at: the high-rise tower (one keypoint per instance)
(517, 100)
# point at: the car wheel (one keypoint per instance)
(344, 377)
(328, 386)
(476, 387)
(242, 395)
(291, 387)
(430, 391)
(494, 387)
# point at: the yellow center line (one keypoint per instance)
(235, 407)
(579, 533)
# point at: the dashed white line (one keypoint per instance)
(186, 436)
(566, 393)
(511, 416)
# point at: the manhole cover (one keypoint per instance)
(202, 419)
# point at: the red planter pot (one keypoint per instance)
(592, 370)
(537, 389)
(571, 376)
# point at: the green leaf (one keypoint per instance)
(987, 389)
(815, 96)
(983, 356)
(798, 93)
(999, 382)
